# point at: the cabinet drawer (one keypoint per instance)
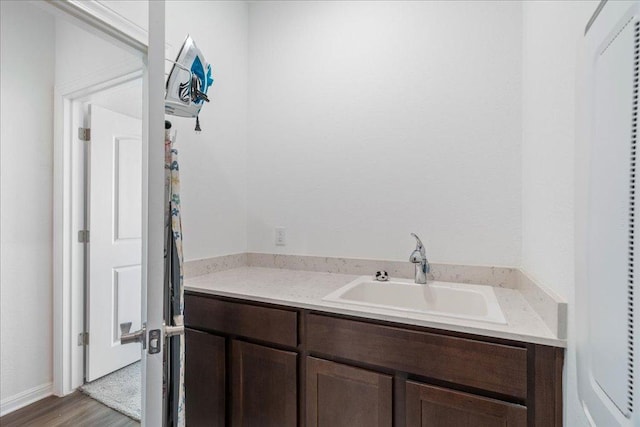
(486, 366)
(261, 323)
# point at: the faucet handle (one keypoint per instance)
(419, 245)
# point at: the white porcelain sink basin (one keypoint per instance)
(459, 300)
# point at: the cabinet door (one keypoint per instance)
(438, 407)
(263, 386)
(204, 379)
(342, 396)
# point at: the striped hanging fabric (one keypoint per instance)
(175, 286)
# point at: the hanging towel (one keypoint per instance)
(175, 285)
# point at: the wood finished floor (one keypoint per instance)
(76, 410)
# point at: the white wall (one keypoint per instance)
(552, 31)
(27, 60)
(372, 120)
(213, 164)
(80, 53)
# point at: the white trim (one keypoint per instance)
(24, 398)
(95, 15)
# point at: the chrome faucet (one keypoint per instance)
(419, 258)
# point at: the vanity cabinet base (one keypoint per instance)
(283, 366)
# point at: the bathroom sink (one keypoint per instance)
(458, 300)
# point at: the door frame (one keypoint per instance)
(69, 355)
(149, 45)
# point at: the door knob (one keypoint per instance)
(127, 337)
(177, 329)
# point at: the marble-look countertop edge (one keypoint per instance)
(203, 285)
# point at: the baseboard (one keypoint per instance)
(25, 398)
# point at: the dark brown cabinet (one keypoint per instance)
(343, 396)
(205, 379)
(263, 386)
(296, 367)
(432, 406)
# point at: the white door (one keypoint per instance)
(115, 250)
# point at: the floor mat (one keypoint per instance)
(119, 390)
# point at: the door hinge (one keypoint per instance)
(83, 339)
(83, 236)
(84, 134)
